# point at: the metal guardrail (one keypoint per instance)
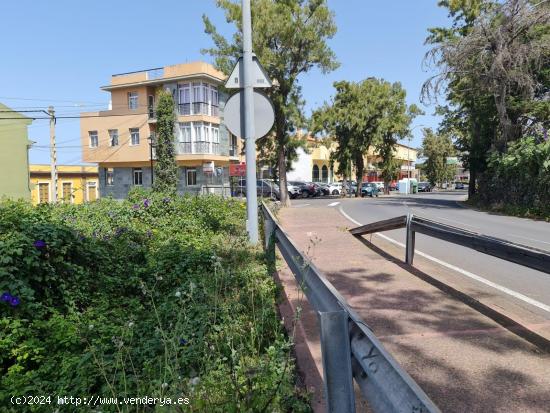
(517, 253)
(350, 350)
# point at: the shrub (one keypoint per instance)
(518, 180)
(156, 296)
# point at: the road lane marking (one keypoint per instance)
(469, 274)
(333, 204)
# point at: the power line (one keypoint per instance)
(78, 117)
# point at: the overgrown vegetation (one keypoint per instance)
(494, 69)
(156, 296)
(518, 181)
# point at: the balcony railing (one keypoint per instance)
(197, 108)
(200, 148)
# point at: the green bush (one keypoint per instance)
(518, 181)
(155, 296)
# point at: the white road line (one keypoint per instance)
(333, 204)
(469, 274)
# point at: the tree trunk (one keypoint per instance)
(472, 183)
(359, 168)
(283, 189)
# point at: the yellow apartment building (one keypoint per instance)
(76, 184)
(119, 139)
(315, 165)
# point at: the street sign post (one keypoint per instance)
(247, 74)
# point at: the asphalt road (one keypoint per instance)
(445, 207)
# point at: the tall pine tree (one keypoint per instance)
(166, 169)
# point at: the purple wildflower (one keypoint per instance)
(120, 231)
(149, 234)
(6, 297)
(39, 243)
(183, 342)
(165, 200)
(14, 301)
(136, 206)
(146, 203)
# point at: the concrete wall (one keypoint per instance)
(123, 181)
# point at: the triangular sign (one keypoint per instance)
(260, 79)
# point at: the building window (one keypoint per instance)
(138, 176)
(197, 98)
(315, 173)
(324, 173)
(185, 137)
(185, 99)
(92, 191)
(215, 137)
(233, 146)
(113, 137)
(109, 176)
(214, 100)
(94, 140)
(191, 177)
(134, 136)
(44, 192)
(67, 192)
(132, 100)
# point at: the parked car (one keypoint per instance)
(424, 187)
(335, 188)
(369, 189)
(264, 187)
(380, 185)
(323, 188)
(294, 191)
(307, 189)
(459, 185)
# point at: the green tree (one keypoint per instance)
(166, 169)
(370, 113)
(437, 148)
(494, 66)
(290, 38)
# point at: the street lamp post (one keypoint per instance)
(151, 139)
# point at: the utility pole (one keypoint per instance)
(249, 132)
(53, 154)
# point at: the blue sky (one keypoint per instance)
(60, 52)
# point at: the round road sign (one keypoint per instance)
(264, 115)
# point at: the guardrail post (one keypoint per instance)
(336, 352)
(269, 228)
(409, 250)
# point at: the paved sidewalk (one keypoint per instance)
(463, 360)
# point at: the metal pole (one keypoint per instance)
(249, 132)
(151, 157)
(53, 154)
(410, 241)
(336, 354)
